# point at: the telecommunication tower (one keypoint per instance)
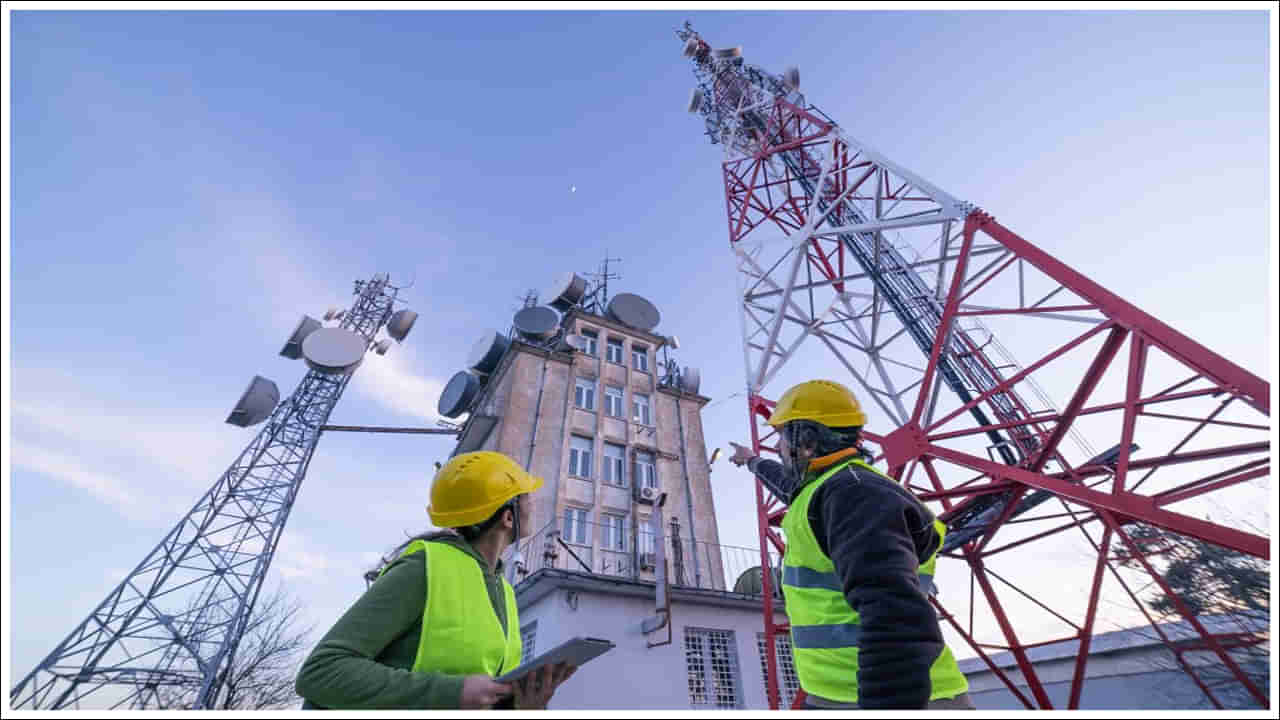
(846, 257)
(172, 626)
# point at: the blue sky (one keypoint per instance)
(184, 185)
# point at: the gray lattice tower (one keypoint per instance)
(173, 624)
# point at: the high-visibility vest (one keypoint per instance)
(461, 634)
(825, 631)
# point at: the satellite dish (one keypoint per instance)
(729, 53)
(690, 380)
(537, 323)
(333, 351)
(381, 277)
(751, 582)
(382, 346)
(695, 100)
(634, 311)
(458, 394)
(673, 342)
(792, 78)
(331, 313)
(691, 47)
(401, 323)
(256, 404)
(487, 351)
(566, 293)
(293, 347)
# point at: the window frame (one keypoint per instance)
(610, 343)
(608, 462)
(583, 527)
(708, 675)
(641, 353)
(591, 337)
(636, 403)
(575, 457)
(621, 397)
(580, 391)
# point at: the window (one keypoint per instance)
(613, 401)
(640, 358)
(528, 634)
(646, 541)
(640, 408)
(614, 457)
(613, 351)
(788, 681)
(590, 339)
(580, 456)
(646, 470)
(615, 532)
(584, 394)
(575, 526)
(711, 660)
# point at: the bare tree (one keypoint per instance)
(1230, 594)
(266, 662)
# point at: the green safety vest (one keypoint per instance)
(458, 636)
(825, 631)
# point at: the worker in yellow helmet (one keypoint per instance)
(440, 622)
(858, 565)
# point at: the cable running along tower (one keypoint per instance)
(920, 302)
(171, 627)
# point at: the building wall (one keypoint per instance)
(1135, 678)
(634, 676)
(538, 433)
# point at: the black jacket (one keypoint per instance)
(877, 534)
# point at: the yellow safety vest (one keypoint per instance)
(461, 634)
(825, 631)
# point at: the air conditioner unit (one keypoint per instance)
(648, 495)
(648, 561)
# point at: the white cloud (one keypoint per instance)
(53, 464)
(295, 561)
(388, 381)
(181, 449)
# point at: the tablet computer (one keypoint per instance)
(574, 652)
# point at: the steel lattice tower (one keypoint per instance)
(911, 297)
(174, 623)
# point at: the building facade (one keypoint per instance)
(609, 439)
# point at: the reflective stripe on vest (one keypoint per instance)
(825, 630)
(458, 637)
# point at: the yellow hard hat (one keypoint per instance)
(471, 487)
(820, 401)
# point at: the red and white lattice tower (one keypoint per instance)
(852, 264)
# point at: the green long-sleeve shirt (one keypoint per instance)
(365, 661)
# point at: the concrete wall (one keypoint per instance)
(633, 676)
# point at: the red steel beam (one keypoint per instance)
(1138, 507)
(1253, 389)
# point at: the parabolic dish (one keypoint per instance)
(293, 346)
(487, 351)
(333, 350)
(634, 311)
(401, 323)
(256, 404)
(566, 293)
(538, 322)
(690, 380)
(458, 394)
